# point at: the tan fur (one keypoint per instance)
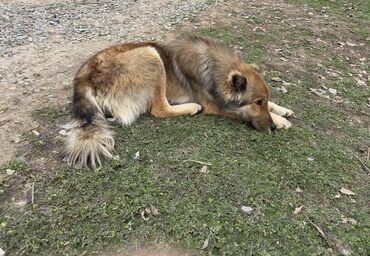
(196, 73)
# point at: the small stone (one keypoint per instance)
(310, 159)
(204, 169)
(10, 172)
(333, 91)
(337, 196)
(284, 90)
(247, 209)
(2, 252)
(298, 190)
(63, 132)
(137, 155)
(36, 133)
(276, 79)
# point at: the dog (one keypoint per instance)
(181, 77)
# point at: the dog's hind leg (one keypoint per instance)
(278, 110)
(161, 108)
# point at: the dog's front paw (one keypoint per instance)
(280, 121)
(287, 112)
(195, 108)
(281, 111)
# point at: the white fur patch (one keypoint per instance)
(281, 111)
(280, 121)
(87, 145)
(127, 107)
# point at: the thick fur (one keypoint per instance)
(195, 73)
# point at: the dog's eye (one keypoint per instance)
(259, 102)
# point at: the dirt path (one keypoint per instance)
(44, 42)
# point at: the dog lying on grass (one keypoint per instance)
(192, 73)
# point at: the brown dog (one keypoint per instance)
(192, 73)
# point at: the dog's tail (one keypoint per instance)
(91, 136)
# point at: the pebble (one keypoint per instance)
(36, 133)
(333, 91)
(9, 172)
(276, 79)
(247, 209)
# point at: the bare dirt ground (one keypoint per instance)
(44, 42)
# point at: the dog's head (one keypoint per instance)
(248, 96)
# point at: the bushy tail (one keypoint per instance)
(91, 137)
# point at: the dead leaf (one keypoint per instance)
(317, 228)
(205, 244)
(204, 169)
(297, 210)
(348, 220)
(143, 216)
(154, 210)
(347, 192)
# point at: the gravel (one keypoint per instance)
(115, 20)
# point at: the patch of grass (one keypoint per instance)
(256, 52)
(8, 181)
(17, 165)
(49, 113)
(249, 168)
(350, 8)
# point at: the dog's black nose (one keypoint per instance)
(273, 127)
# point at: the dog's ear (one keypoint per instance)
(238, 82)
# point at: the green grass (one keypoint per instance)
(360, 8)
(260, 170)
(86, 211)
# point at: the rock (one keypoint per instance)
(2, 252)
(284, 90)
(36, 133)
(10, 172)
(64, 133)
(247, 209)
(276, 79)
(333, 91)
